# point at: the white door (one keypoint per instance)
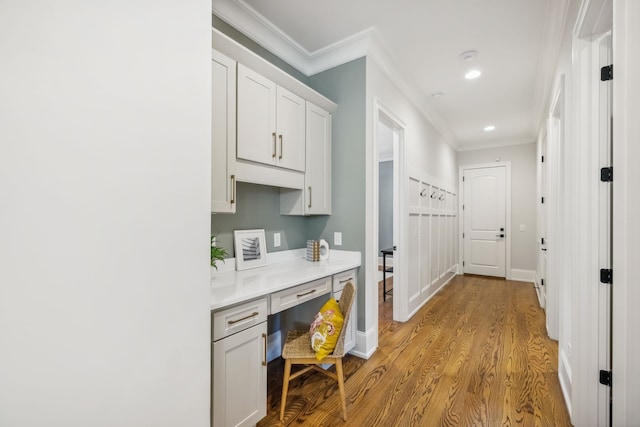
(605, 202)
(484, 216)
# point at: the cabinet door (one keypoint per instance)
(290, 119)
(318, 168)
(223, 132)
(239, 389)
(256, 117)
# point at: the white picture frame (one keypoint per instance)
(250, 249)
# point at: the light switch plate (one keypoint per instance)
(276, 240)
(522, 227)
(337, 238)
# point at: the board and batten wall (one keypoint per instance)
(105, 123)
(523, 197)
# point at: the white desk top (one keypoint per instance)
(283, 270)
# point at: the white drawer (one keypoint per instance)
(297, 295)
(341, 279)
(237, 318)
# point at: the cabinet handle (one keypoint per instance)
(348, 279)
(275, 147)
(233, 322)
(306, 293)
(441, 197)
(280, 137)
(433, 195)
(264, 361)
(309, 196)
(423, 193)
(233, 189)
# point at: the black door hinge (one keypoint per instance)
(606, 174)
(541, 282)
(542, 199)
(542, 159)
(606, 73)
(542, 240)
(463, 263)
(463, 179)
(606, 275)
(463, 235)
(605, 377)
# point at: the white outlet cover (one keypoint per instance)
(276, 240)
(337, 238)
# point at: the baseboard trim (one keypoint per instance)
(523, 275)
(564, 375)
(366, 343)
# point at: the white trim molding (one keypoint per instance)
(366, 343)
(523, 275)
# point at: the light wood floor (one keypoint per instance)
(476, 355)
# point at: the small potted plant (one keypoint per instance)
(217, 253)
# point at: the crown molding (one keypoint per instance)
(365, 43)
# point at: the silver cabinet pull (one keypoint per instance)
(264, 361)
(232, 322)
(306, 293)
(280, 137)
(275, 147)
(309, 196)
(348, 279)
(233, 189)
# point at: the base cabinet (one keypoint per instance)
(239, 387)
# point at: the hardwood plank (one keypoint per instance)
(476, 355)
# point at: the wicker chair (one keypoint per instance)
(297, 351)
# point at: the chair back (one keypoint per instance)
(347, 299)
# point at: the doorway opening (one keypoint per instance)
(386, 195)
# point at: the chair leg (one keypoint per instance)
(341, 387)
(285, 387)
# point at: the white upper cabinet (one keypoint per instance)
(256, 117)
(315, 198)
(290, 120)
(271, 122)
(223, 133)
(318, 173)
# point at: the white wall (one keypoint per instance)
(426, 151)
(523, 196)
(104, 184)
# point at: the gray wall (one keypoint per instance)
(523, 196)
(259, 207)
(385, 203)
(345, 85)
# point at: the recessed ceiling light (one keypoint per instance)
(437, 95)
(469, 55)
(473, 74)
(489, 128)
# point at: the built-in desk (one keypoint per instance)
(241, 304)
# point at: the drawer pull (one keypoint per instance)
(348, 279)
(233, 322)
(280, 137)
(264, 361)
(306, 293)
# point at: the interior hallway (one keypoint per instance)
(475, 355)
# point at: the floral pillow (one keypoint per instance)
(325, 329)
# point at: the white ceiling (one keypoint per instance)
(419, 42)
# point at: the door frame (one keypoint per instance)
(368, 341)
(508, 228)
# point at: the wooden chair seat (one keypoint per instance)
(297, 351)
